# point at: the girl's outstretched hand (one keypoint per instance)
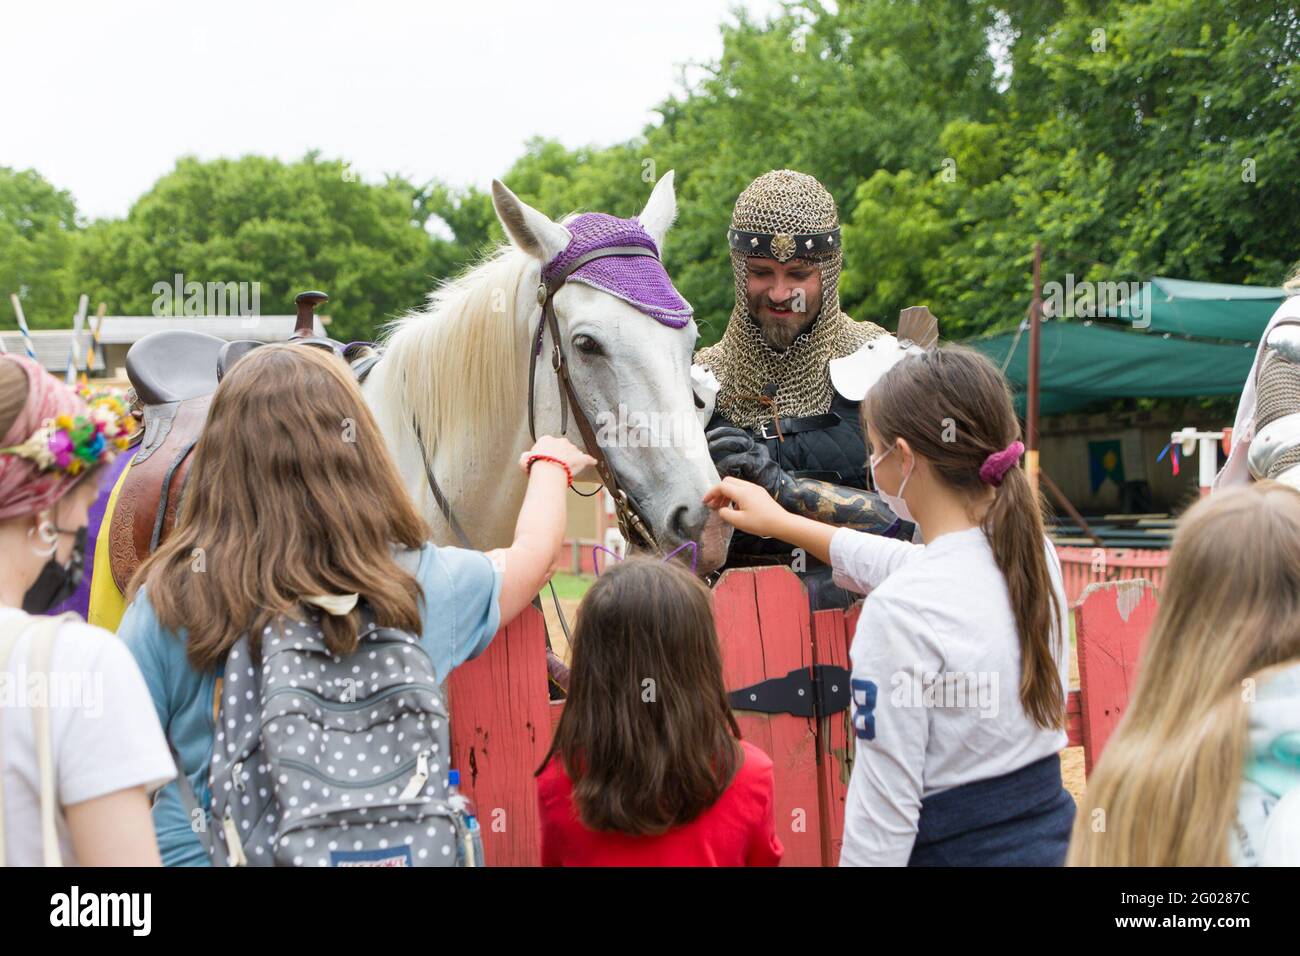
(561, 448)
(747, 506)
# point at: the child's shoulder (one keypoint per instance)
(755, 771)
(447, 564)
(74, 635)
(553, 783)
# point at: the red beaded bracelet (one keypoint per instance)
(528, 466)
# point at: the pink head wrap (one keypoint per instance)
(24, 488)
(999, 463)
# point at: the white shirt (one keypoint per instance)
(104, 733)
(936, 646)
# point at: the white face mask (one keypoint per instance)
(895, 502)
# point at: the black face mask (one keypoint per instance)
(57, 582)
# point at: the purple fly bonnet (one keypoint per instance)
(640, 281)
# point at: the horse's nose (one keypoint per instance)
(680, 525)
(686, 523)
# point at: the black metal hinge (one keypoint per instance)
(805, 692)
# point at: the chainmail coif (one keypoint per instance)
(784, 201)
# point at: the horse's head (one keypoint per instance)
(628, 352)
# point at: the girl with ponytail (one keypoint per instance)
(960, 665)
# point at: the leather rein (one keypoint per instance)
(634, 529)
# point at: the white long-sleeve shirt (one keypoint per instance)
(936, 681)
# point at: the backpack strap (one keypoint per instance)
(44, 631)
(189, 799)
(7, 641)
(39, 660)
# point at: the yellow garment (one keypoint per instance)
(107, 605)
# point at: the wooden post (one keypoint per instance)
(1069, 508)
(74, 344)
(1031, 397)
(1111, 627)
(94, 337)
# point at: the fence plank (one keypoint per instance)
(1074, 719)
(765, 631)
(1112, 625)
(500, 731)
(832, 635)
(1083, 566)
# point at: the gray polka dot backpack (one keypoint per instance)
(321, 760)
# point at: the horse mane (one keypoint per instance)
(453, 367)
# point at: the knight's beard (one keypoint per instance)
(779, 334)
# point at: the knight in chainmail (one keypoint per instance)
(1266, 431)
(778, 420)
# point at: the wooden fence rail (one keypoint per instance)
(502, 719)
(1081, 567)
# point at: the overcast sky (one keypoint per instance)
(101, 98)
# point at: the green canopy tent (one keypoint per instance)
(1209, 310)
(1201, 342)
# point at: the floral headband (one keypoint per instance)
(69, 445)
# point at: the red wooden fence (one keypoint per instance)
(1081, 567)
(1111, 625)
(502, 718)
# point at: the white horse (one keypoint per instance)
(459, 371)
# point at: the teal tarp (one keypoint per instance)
(1200, 341)
(1209, 310)
(1084, 363)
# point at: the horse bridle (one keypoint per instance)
(634, 529)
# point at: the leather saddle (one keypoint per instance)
(174, 373)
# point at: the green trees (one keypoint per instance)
(287, 226)
(38, 230)
(1130, 138)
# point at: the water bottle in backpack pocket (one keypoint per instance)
(469, 837)
(322, 760)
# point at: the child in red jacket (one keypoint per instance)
(646, 767)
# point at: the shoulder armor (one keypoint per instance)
(853, 375)
(705, 386)
(1284, 338)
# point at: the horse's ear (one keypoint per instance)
(527, 228)
(661, 210)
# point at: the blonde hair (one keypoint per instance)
(454, 368)
(1165, 790)
(1291, 285)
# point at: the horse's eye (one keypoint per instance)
(586, 344)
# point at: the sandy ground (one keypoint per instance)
(1071, 757)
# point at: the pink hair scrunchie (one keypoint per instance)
(997, 465)
(24, 489)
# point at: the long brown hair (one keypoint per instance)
(1165, 790)
(647, 735)
(292, 492)
(954, 408)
